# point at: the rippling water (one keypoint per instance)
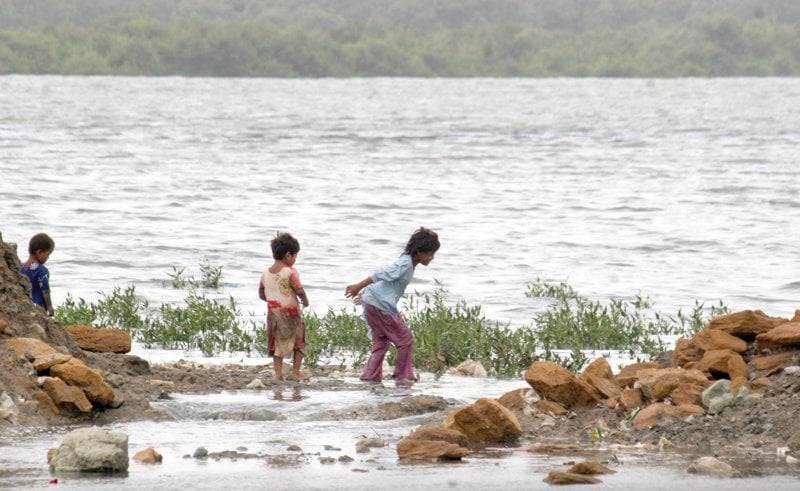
(678, 189)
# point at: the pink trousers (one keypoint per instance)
(389, 329)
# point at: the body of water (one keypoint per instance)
(682, 190)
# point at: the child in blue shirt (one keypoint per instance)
(40, 247)
(381, 292)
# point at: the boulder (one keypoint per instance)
(30, 348)
(92, 450)
(712, 466)
(653, 414)
(554, 382)
(43, 363)
(409, 448)
(76, 373)
(715, 339)
(590, 467)
(485, 420)
(746, 324)
(632, 398)
(148, 456)
(629, 374)
(469, 368)
(439, 434)
(771, 363)
(561, 477)
(599, 375)
(787, 334)
(66, 396)
(685, 351)
(658, 383)
(726, 362)
(517, 399)
(101, 340)
(551, 407)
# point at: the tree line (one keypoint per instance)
(470, 38)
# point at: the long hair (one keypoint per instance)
(422, 240)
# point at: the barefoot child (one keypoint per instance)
(280, 287)
(40, 247)
(381, 292)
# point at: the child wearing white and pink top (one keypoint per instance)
(280, 287)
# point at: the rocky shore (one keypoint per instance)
(730, 391)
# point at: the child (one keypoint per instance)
(39, 249)
(381, 292)
(280, 287)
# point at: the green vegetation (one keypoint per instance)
(350, 38)
(444, 335)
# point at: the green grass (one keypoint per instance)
(445, 333)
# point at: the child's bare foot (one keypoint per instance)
(300, 377)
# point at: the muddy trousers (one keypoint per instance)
(388, 329)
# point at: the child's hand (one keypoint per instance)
(351, 291)
(357, 299)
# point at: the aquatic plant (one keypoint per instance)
(573, 322)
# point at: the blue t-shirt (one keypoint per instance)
(39, 277)
(389, 284)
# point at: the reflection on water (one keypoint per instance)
(290, 394)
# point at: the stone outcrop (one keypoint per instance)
(101, 340)
(554, 382)
(485, 420)
(91, 450)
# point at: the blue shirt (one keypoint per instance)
(39, 277)
(389, 284)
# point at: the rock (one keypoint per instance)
(200, 453)
(485, 420)
(711, 466)
(76, 373)
(255, 384)
(653, 414)
(101, 340)
(3, 325)
(439, 434)
(364, 444)
(551, 407)
(589, 467)
(554, 382)
(469, 368)
(92, 450)
(246, 414)
(771, 362)
(45, 403)
(409, 448)
(746, 324)
(658, 384)
(8, 410)
(31, 348)
(517, 399)
(629, 374)
(66, 396)
(725, 362)
(787, 334)
(561, 477)
(718, 396)
(685, 351)
(43, 363)
(632, 398)
(148, 456)
(715, 339)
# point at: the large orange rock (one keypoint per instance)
(653, 414)
(787, 334)
(409, 448)
(485, 420)
(631, 398)
(714, 339)
(29, 347)
(725, 361)
(746, 324)
(599, 375)
(771, 362)
(76, 373)
(45, 362)
(554, 382)
(628, 375)
(66, 396)
(658, 383)
(515, 399)
(440, 435)
(101, 340)
(685, 351)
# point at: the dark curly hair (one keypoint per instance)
(40, 242)
(283, 244)
(422, 240)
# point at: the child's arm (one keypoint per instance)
(301, 292)
(48, 305)
(354, 289)
(261, 294)
(297, 286)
